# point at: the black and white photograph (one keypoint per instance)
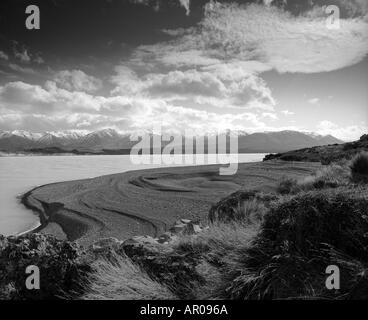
(184, 150)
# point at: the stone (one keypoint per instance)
(165, 238)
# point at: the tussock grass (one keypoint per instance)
(331, 176)
(218, 247)
(121, 279)
(242, 206)
(302, 235)
(359, 167)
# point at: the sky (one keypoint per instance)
(132, 65)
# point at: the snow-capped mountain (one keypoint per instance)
(26, 134)
(281, 141)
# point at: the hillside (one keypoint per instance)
(325, 154)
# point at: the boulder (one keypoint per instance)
(186, 227)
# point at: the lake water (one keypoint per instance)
(20, 174)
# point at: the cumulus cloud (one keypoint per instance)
(32, 106)
(77, 80)
(225, 89)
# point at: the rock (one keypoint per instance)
(187, 228)
(107, 243)
(165, 238)
(106, 247)
(178, 228)
(142, 240)
(196, 228)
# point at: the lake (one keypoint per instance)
(20, 174)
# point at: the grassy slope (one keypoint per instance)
(325, 154)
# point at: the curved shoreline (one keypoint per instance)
(144, 202)
(25, 201)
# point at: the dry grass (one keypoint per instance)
(299, 238)
(359, 167)
(219, 248)
(332, 176)
(123, 280)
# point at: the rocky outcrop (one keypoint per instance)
(181, 227)
(62, 266)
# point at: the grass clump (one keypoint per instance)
(359, 167)
(331, 176)
(242, 206)
(287, 185)
(121, 279)
(218, 248)
(300, 237)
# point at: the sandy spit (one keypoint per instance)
(146, 202)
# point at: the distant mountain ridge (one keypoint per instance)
(110, 139)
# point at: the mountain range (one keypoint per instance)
(111, 140)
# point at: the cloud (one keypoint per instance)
(208, 76)
(270, 115)
(273, 37)
(220, 62)
(287, 112)
(77, 80)
(18, 68)
(3, 55)
(226, 89)
(347, 133)
(157, 4)
(23, 56)
(314, 101)
(354, 7)
(186, 5)
(32, 106)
